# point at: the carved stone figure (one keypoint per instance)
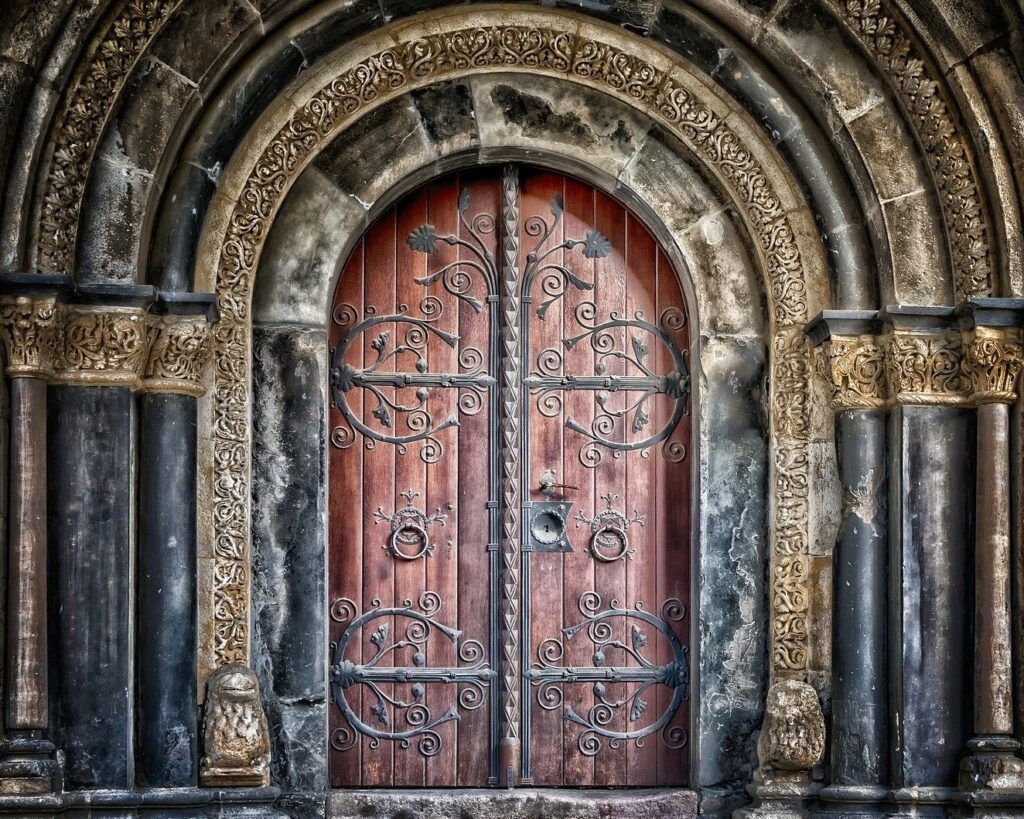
(236, 738)
(792, 739)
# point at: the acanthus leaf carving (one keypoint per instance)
(30, 328)
(993, 360)
(854, 369)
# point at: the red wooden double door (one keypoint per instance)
(509, 527)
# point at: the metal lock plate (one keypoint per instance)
(548, 526)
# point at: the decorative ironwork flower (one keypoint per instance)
(596, 246)
(677, 384)
(674, 675)
(343, 377)
(344, 673)
(423, 239)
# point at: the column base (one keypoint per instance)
(779, 799)
(29, 767)
(992, 764)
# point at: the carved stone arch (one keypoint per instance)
(443, 46)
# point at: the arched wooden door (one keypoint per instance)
(509, 493)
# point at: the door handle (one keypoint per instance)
(548, 485)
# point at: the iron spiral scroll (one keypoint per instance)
(471, 677)
(549, 677)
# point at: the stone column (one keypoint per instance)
(29, 325)
(167, 743)
(853, 363)
(993, 361)
(929, 480)
(93, 464)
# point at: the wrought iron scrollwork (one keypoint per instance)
(548, 381)
(409, 539)
(609, 539)
(555, 278)
(388, 711)
(394, 338)
(634, 667)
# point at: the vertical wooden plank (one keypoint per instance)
(476, 610)
(378, 493)
(345, 527)
(578, 566)
(610, 473)
(442, 483)
(673, 529)
(545, 451)
(638, 499)
(410, 469)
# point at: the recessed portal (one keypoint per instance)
(509, 493)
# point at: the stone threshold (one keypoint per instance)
(530, 803)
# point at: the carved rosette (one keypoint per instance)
(103, 346)
(179, 351)
(993, 361)
(927, 369)
(30, 328)
(854, 369)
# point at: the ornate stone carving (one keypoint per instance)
(103, 345)
(993, 362)
(178, 355)
(791, 378)
(236, 739)
(926, 369)
(921, 91)
(84, 110)
(547, 45)
(792, 739)
(789, 573)
(30, 328)
(854, 369)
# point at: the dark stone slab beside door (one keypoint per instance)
(289, 537)
(91, 464)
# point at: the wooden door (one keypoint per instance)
(509, 493)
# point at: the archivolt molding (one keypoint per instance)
(433, 51)
(85, 108)
(895, 52)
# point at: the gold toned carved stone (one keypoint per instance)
(945, 146)
(926, 369)
(552, 47)
(178, 355)
(84, 110)
(993, 361)
(792, 738)
(103, 346)
(236, 739)
(854, 369)
(30, 328)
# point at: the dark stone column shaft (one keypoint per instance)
(167, 719)
(92, 471)
(929, 659)
(26, 666)
(859, 689)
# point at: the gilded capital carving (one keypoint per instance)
(103, 346)
(179, 351)
(30, 328)
(993, 361)
(854, 368)
(927, 369)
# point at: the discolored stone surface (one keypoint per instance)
(289, 544)
(521, 802)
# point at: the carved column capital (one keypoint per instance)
(103, 345)
(179, 353)
(926, 368)
(993, 361)
(30, 327)
(854, 368)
